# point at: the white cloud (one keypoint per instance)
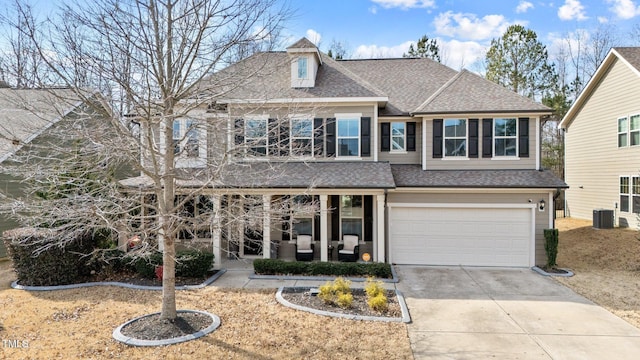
(373, 10)
(624, 9)
(523, 7)
(572, 10)
(375, 51)
(469, 26)
(314, 36)
(603, 20)
(405, 4)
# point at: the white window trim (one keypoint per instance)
(265, 118)
(493, 145)
(628, 194)
(348, 116)
(291, 137)
(404, 138)
(182, 160)
(444, 140)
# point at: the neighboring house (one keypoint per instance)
(602, 141)
(25, 117)
(425, 164)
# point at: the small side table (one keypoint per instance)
(330, 248)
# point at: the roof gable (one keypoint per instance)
(467, 92)
(630, 56)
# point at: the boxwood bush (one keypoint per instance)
(189, 263)
(55, 266)
(315, 268)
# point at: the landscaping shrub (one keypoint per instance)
(189, 263)
(193, 263)
(551, 246)
(55, 266)
(376, 295)
(281, 267)
(337, 292)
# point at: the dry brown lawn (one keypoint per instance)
(77, 324)
(606, 263)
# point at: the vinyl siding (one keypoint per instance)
(541, 217)
(594, 162)
(480, 162)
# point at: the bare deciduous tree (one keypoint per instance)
(150, 60)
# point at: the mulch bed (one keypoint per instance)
(131, 277)
(152, 327)
(303, 297)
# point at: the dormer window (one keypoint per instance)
(302, 68)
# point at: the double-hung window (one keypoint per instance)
(505, 133)
(398, 136)
(186, 138)
(635, 194)
(351, 215)
(624, 193)
(301, 137)
(255, 136)
(348, 136)
(629, 131)
(455, 137)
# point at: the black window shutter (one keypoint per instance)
(318, 136)
(284, 137)
(385, 136)
(437, 138)
(365, 136)
(272, 133)
(473, 138)
(239, 131)
(523, 137)
(331, 136)
(411, 136)
(487, 138)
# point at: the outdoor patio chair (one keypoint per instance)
(349, 249)
(304, 248)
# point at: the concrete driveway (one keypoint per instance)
(482, 313)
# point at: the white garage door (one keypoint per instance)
(461, 236)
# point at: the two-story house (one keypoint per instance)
(602, 141)
(424, 164)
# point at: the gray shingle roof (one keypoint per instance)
(468, 92)
(289, 175)
(631, 54)
(303, 43)
(414, 176)
(407, 82)
(267, 76)
(25, 113)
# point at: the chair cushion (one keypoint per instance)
(304, 251)
(350, 252)
(350, 242)
(304, 243)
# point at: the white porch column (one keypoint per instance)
(324, 224)
(266, 226)
(424, 144)
(216, 233)
(380, 226)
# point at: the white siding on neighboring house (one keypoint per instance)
(594, 163)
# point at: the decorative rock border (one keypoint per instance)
(568, 273)
(406, 318)
(255, 276)
(117, 333)
(206, 283)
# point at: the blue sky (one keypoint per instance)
(464, 28)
